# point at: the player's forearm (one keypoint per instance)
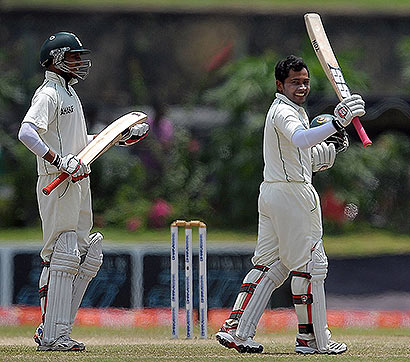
(30, 138)
(309, 137)
(50, 156)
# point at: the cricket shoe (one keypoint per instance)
(310, 347)
(62, 343)
(38, 334)
(228, 339)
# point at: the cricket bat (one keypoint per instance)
(101, 143)
(330, 66)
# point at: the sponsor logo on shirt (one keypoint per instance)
(67, 110)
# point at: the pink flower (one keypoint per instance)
(159, 213)
(133, 224)
(194, 146)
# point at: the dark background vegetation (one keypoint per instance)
(212, 74)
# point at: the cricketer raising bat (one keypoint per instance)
(330, 66)
(101, 143)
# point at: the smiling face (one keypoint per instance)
(296, 86)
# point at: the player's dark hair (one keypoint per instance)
(285, 65)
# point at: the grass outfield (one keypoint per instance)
(154, 344)
(368, 242)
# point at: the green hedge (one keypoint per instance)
(215, 175)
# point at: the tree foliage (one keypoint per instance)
(215, 175)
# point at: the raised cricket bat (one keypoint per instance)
(104, 140)
(330, 66)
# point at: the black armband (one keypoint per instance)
(338, 126)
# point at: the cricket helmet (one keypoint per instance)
(54, 48)
(340, 139)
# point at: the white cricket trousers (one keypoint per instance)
(290, 223)
(67, 208)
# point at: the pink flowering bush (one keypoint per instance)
(159, 214)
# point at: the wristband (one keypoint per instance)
(339, 128)
(57, 161)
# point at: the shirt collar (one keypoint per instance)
(59, 79)
(299, 109)
(285, 99)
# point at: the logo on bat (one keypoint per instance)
(340, 81)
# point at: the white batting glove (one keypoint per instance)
(349, 108)
(72, 165)
(135, 134)
(82, 172)
(323, 156)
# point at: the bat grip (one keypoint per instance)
(53, 184)
(361, 132)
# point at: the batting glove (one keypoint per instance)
(135, 134)
(83, 172)
(72, 165)
(349, 108)
(323, 156)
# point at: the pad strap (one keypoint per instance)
(42, 292)
(247, 288)
(261, 268)
(302, 299)
(305, 328)
(300, 274)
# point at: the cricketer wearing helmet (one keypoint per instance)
(54, 129)
(290, 224)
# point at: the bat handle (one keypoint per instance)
(53, 184)
(361, 132)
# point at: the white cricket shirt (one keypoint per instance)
(58, 114)
(285, 162)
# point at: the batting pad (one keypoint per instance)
(318, 271)
(43, 288)
(248, 286)
(64, 265)
(87, 271)
(273, 279)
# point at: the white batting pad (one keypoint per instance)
(273, 279)
(248, 286)
(87, 271)
(43, 287)
(318, 271)
(63, 268)
(302, 298)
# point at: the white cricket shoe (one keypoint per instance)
(309, 347)
(228, 339)
(63, 343)
(38, 334)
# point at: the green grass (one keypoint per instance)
(252, 5)
(364, 243)
(154, 344)
(123, 236)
